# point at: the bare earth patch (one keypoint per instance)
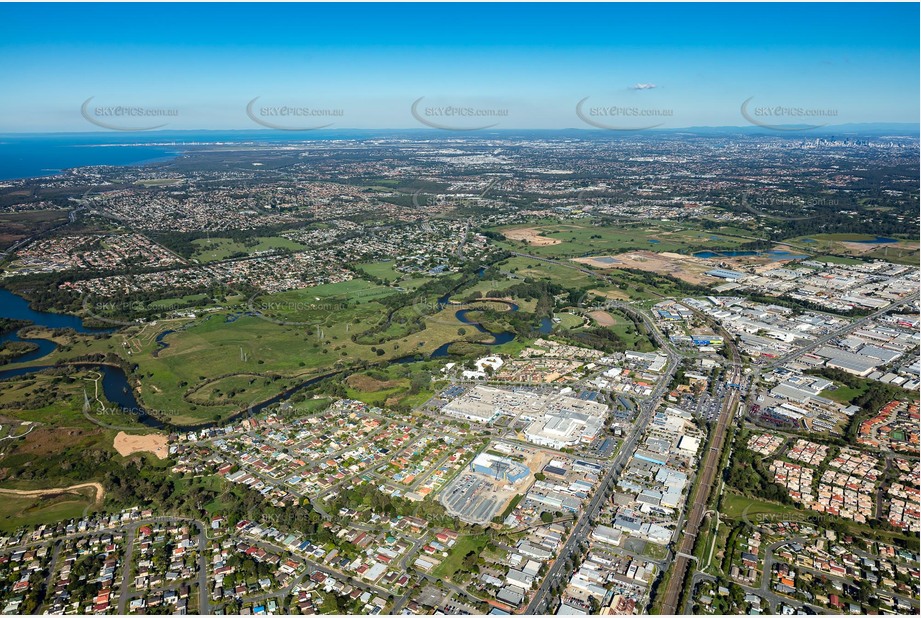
(73, 489)
(683, 267)
(128, 444)
(603, 318)
(530, 235)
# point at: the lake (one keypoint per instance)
(776, 254)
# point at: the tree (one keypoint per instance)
(419, 382)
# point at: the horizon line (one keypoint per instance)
(434, 131)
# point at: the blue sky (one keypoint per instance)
(534, 62)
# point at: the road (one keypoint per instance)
(404, 566)
(97, 487)
(125, 592)
(316, 566)
(540, 603)
(839, 332)
(126, 528)
(775, 599)
(203, 588)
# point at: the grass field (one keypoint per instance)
(244, 351)
(489, 285)
(896, 254)
(655, 551)
(373, 391)
(381, 270)
(843, 394)
(179, 301)
(736, 506)
(739, 507)
(843, 237)
(626, 330)
(16, 511)
(901, 252)
(562, 275)
(837, 259)
(568, 320)
(52, 400)
(464, 545)
(213, 249)
(15, 226)
(354, 290)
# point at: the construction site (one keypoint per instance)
(491, 482)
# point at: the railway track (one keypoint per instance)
(672, 598)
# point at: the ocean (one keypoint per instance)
(27, 157)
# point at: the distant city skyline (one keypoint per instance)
(75, 68)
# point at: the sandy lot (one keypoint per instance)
(603, 318)
(683, 267)
(531, 236)
(128, 444)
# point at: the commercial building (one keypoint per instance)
(499, 467)
(564, 429)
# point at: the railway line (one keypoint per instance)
(706, 478)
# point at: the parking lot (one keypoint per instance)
(474, 498)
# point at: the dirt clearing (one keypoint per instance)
(128, 444)
(530, 235)
(73, 489)
(603, 318)
(683, 267)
